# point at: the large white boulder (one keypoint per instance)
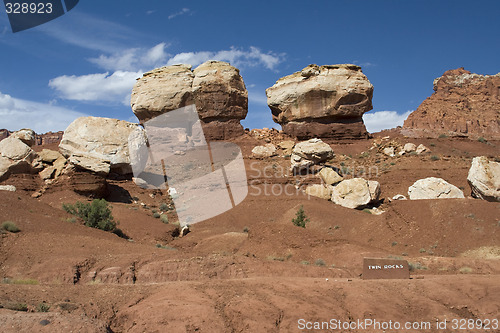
(355, 192)
(310, 152)
(100, 145)
(433, 188)
(484, 179)
(15, 157)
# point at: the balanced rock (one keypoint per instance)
(215, 88)
(322, 101)
(484, 179)
(308, 153)
(355, 193)
(433, 188)
(15, 157)
(100, 145)
(265, 151)
(463, 103)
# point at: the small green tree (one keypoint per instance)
(300, 219)
(96, 214)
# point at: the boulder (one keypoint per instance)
(264, 151)
(484, 179)
(463, 103)
(15, 157)
(322, 101)
(410, 147)
(215, 88)
(389, 151)
(433, 188)
(320, 191)
(49, 156)
(352, 193)
(287, 146)
(310, 152)
(374, 188)
(422, 149)
(8, 188)
(100, 145)
(26, 135)
(330, 176)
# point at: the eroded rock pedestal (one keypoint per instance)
(463, 103)
(322, 102)
(215, 88)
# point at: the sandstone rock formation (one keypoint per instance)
(462, 103)
(308, 153)
(215, 88)
(99, 145)
(48, 138)
(15, 157)
(433, 188)
(329, 176)
(355, 193)
(484, 179)
(322, 101)
(320, 191)
(25, 135)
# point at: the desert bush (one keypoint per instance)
(10, 227)
(465, 270)
(442, 136)
(164, 218)
(300, 219)
(435, 158)
(17, 306)
(416, 266)
(320, 262)
(304, 262)
(96, 214)
(43, 307)
(156, 215)
(482, 140)
(246, 230)
(164, 207)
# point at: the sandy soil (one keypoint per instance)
(250, 269)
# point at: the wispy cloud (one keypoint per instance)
(364, 64)
(134, 59)
(101, 87)
(183, 11)
(237, 57)
(149, 12)
(41, 117)
(90, 32)
(380, 120)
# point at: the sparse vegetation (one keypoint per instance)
(300, 219)
(246, 230)
(96, 214)
(482, 140)
(465, 270)
(367, 210)
(304, 262)
(20, 281)
(156, 215)
(273, 258)
(16, 306)
(320, 262)
(10, 227)
(435, 158)
(164, 207)
(413, 266)
(443, 136)
(422, 250)
(432, 144)
(394, 243)
(43, 307)
(164, 218)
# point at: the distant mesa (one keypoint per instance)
(463, 104)
(40, 139)
(216, 89)
(322, 102)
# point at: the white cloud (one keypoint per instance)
(179, 13)
(135, 59)
(96, 87)
(17, 113)
(237, 57)
(257, 97)
(377, 121)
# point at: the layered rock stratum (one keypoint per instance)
(216, 89)
(322, 102)
(463, 103)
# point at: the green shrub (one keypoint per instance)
(300, 219)
(482, 140)
(320, 262)
(442, 136)
(10, 227)
(96, 214)
(246, 230)
(435, 158)
(164, 207)
(164, 218)
(156, 215)
(43, 307)
(17, 306)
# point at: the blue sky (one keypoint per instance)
(86, 62)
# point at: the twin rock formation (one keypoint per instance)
(319, 101)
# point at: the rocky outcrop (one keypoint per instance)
(308, 153)
(433, 188)
(48, 138)
(463, 103)
(4, 134)
(265, 151)
(15, 157)
(25, 135)
(100, 145)
(484, 179)
(329, 176)
(322, 101)
(355, 193)
(320, 191)
(215, 88)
